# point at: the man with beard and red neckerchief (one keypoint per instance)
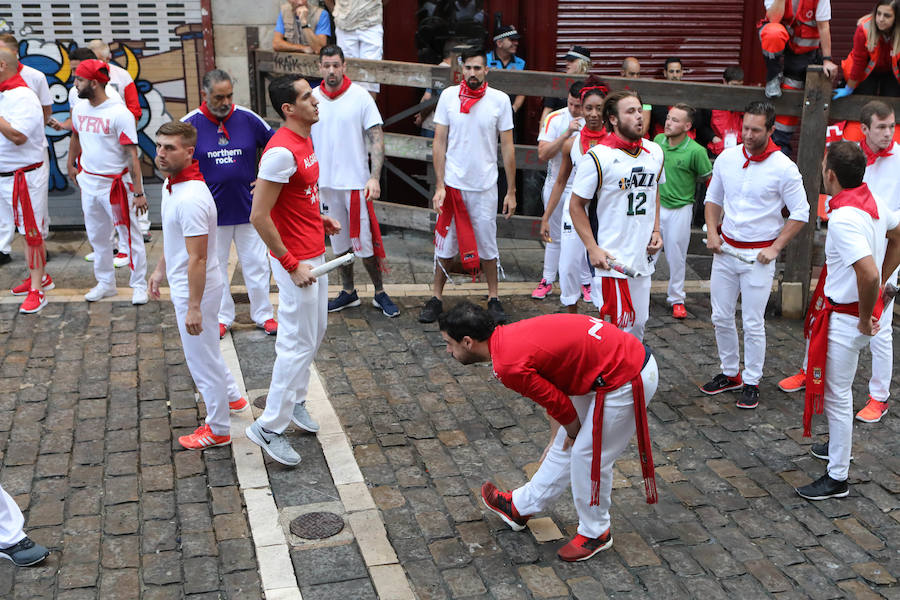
(348, 118)
(882, 168)
(590, 376)
(189, 262)
(228, 139)
(751, 184)
(862, 250)
(286, 214)
(615, 210)
(21, 177)
(104, 140)
(468, 119)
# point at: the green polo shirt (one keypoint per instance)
(685, 163)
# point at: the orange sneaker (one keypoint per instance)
(270, 327)
(23, 288)
(203, 437)
(239, 404)
(872, 411)
(679, 312)
(34, 302)
(582, 548)
(794, 383)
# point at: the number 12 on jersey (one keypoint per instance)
(641, 198)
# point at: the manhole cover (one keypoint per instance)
(317, 525)
(260, 402)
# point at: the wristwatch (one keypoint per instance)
(824, 58)
(304, 26)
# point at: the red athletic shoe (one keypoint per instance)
(270, 327)
(500, 503)
(223, 329)
(202, 438)
(794, 383)
(678, 311)
(586, 292)
(872, 411)
(582, 548)
(34, 302)
(23, 288)
(239, 404)
(542, 290)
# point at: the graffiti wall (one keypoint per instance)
(168, 85)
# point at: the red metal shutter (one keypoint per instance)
(844, 15)
(705, 34)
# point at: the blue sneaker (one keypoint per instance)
(25, 553)
(344, 300)
(387, 306)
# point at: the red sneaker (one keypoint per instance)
(794, 383)
(586, 292)
(270, 327)
(542, 290)
(582, 548)
(34, 302)
(203, 437)
(500, 503)
(872, 411)
(223, 329)
(678, 311)
(23, 288)
(239, 404)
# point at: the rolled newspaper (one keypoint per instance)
(331, 265)
(735, 254)
(621, 268)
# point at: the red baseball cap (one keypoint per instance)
(94, 69)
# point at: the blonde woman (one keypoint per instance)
(873, 67)
(578, 62)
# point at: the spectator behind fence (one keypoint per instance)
(359, 29)
(726, 124)
(424, 119)
(578, 62)
(873, 67)
(631, 69)
(301, 27)
(503, 56)
(673, 70)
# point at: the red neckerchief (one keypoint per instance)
(468, 97)
(189, 173)
(24, 214)
(611, 288)
(590, 138)
(374, 228)
(454, 210)
(614, 140)
(872, 156)
(204, 109)
(13, 82)
(770, 149)
(858, 197)
(333, 95)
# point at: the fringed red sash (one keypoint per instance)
(454, 209)
(612, 288)
(24, 214)
(355, 218)
(815, 303)
(118, 198)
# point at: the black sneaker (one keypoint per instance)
(722, 383)
(823, 488)
(432, 309)
(25, 553)
(495, 309)
(749, 397)
(821, 451)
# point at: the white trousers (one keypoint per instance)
(37, 182)
(251, 251)
(574, 270)
(336, 204)
(552, 248)
(302, 319)
(204, 359)
(98, 222)
(729, 279)
(573, 467)
(362, 43)
(11, 521)
(844, 343)
(675, 228)
(44, 195)
(639, 288)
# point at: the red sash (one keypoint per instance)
(643, 441)
(814, 303)
(468, 97)
(21, 202)
(355, 218)
(454, 209)
(771, 148)
(204, 110)
(611, 288)
(118, 197)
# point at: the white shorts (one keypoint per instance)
(37, 181)
(362, 43)
(336, 204)
(482, 207)
(574, 270)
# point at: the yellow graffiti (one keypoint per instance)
(131, 62)
(65, 69)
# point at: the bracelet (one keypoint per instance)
(824, 58)
(656, 231)
(138, 195)
(569, 436)
(288, 261)
(304, 26)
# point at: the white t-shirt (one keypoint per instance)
(36, 80)
(883, 178)
(623, 189)
(110, 92)
(22, 110)
(555, 125)
(188, 211)
(853, 235)
(472, 138)
(823, 8)
(339, 137)
(104, 131)
(752, 197)
(277, 165)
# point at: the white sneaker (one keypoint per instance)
(121, 260)
(98, 292)
(89, 257)
(139, 296)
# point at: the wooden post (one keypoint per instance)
(813, 125)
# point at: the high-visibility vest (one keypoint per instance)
(802, 25)
(874, 55)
